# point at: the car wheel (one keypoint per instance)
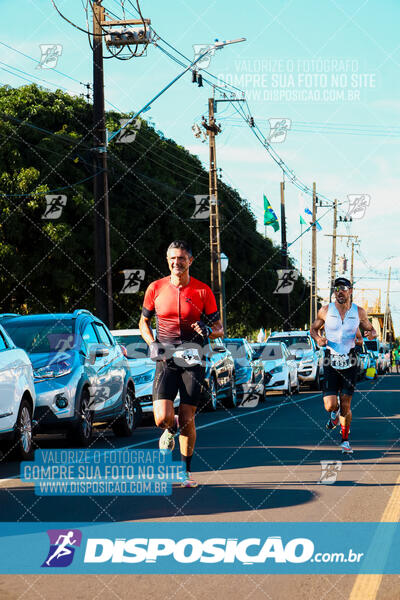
(23, 442)
(130, 418)
(81, 434)
(289, 390)
(232, 399)
(212, 402)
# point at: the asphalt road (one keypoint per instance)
(257, 464)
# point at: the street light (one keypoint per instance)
(224, 260)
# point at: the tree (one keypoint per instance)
(47, 265)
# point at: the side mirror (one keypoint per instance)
(98, 352)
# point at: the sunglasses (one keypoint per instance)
(341, 288)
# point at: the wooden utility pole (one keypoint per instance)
(386, 315)
(333, 258)
(103, 287)
(215, 248)
(284, 255)
(313, 291)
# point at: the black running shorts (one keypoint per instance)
(171, 379)
(336, 381)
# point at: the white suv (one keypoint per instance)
(309, 357)
(17, 399)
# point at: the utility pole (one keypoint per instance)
(353, 244)
(386, 315)
(215, 248)
(212, 130)
(313, 291)
(103, 287)
(333, 258)
(352, 259)
(284, 254)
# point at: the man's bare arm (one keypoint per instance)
(315, 329)
(217, 330)
(366, 324)
(359, 338)
(145, 330)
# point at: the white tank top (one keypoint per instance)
(341, 334)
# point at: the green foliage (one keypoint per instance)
(48, 265)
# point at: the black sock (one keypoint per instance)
(187, 460)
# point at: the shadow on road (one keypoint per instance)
(21, 504)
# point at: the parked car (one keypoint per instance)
(309, 357)
(17, 399)
(281, 367)
(249, 370)
(220, 387)
(80, 373)
(142, 368)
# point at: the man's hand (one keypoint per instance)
(201, 328)
(371, 335)
(321, 341)
(157, 351)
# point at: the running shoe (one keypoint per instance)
(333, 420)
(188, 481)
(346, 448)
(167, 440)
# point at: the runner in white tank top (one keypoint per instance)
(341, 320)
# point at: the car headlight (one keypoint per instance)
(277, 370)
(56, 369)
(143, 378)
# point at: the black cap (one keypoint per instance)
(342, 281)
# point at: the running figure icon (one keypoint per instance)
(62, 549)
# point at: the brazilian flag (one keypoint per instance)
(270, 217)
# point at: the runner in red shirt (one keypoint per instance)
(186, 315)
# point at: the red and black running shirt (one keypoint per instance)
(177, 308)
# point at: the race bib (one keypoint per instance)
(187, 357)
(340, 361)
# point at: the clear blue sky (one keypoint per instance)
(342, 57)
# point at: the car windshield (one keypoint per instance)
(258, 350)
(297, 341)
(236, 348)
(270, 352)
(135, 345)
(42, 335)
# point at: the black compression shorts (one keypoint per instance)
(171, 379)
(336, 380)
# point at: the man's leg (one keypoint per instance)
(331, 387)
(164, 413)
(347, 390)
(345, 415)
(187, 433)
(165, 388)
(190, 393)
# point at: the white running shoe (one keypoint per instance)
(188, 481)
(167, 439)
(346, 448)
